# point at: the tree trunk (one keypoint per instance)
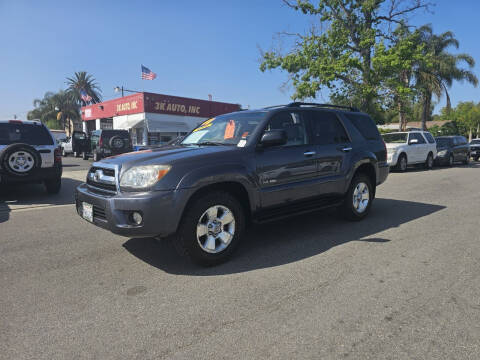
(478, 130)
(470, 134)
(427, 101)
(402, 119)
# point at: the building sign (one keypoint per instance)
(159, 104)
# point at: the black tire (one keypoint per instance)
(186, 241)
(467, 160)
(450, 160)
(429, 161)
(32, 154)
(84, 156)
(96, 156)
(53, 186)
(76, 154)
(402, 167)
(475, 158)
(349, 211)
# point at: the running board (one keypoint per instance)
(296, 209)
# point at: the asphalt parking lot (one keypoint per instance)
(402, 284)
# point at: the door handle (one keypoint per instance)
(309, 153)
(346, 149)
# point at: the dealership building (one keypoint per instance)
(152, 118)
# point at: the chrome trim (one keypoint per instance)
(109, 180)
(309, 153)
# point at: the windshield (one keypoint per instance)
(30, 134)
(443, 142)
(227, 129)
(395, 138)
(475, 142)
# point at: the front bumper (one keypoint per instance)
(38, 175)
(161, 211)
(442, 159)
(392, 158)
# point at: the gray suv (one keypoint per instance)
(247, 166)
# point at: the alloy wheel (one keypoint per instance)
(215, 229)
(361, 197)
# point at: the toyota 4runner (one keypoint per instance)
(29, 154)
(255, 165)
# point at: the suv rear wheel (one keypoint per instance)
(359, 198)
(429, 161)
(211, 228)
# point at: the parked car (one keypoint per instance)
(410, 148)
(451, 149)
(104, 143)
(475, 149)
(244, 166)
(29, 154)
(77, 144)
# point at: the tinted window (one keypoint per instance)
(326, 128)
(418, 136)
(475, 142)
(107, 134)
(364, 125)
(463, 140)
(79, 135)
(30, 134)
(444, 142)
(294, 126)
(429, 137)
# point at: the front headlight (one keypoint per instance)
(442, 153)
(141, 177)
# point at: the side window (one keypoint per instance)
(464, 140)
(429, 137)
(419, 137)
(326, 128)
(294, 126)
(455, 141)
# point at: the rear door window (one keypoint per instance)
(365, 125)
(326, 128)
(419, 137)
(31, 134)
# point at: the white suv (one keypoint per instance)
(29, 154)
(411, 147)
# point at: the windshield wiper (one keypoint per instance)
(207, 143)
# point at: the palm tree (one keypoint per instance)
(437, 74)
(55, 107)
(83, 81)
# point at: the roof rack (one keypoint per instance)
(298, 104)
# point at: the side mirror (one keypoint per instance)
(413, 142)
(273, 138)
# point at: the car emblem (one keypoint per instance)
(97, 175)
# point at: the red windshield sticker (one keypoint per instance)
(245, 134)
(229, 130)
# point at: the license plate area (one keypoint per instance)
(87, 211)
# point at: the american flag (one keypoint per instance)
(85, 97)
(148, 74)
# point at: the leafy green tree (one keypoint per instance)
(436, 76)
(55, 108)
(395, 65)
(83, 81)
(341, 56)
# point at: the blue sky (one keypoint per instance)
(195, 47)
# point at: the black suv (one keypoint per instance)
(245, 166)
(451, 149)
(104, 143)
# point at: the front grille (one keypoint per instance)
(102, 180)
(99, 213)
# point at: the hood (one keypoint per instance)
(166, 155)
(392, 146)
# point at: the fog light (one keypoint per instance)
(137, 218)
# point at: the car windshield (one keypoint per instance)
(31, 134)
(227, 129)
(475, 142)
(395, 138)
(443, 142)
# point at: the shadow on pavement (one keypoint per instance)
(18, 196)
(287, 241)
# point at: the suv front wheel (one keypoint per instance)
(211, 228)
(358, 200)
(53, 186)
